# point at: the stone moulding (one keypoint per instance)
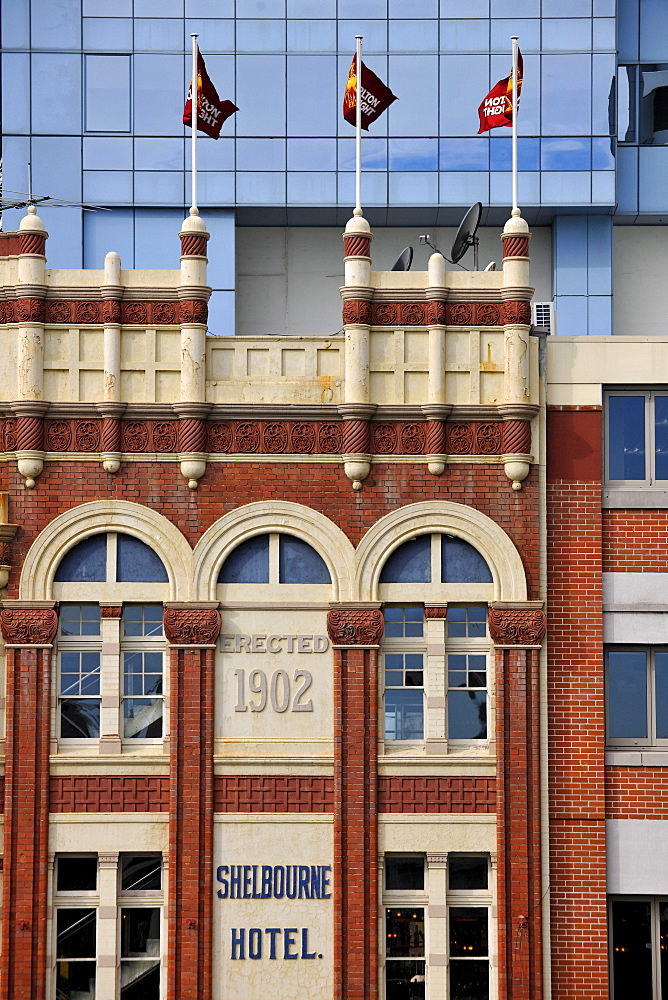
(91, 312)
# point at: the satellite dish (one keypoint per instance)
(404, 260)
(466, 235)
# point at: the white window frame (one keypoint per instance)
(649, 481)
(650, 740)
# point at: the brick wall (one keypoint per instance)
(576, 707)
(636, 792)
(635, 541)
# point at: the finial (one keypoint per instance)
(516, 213)
(32, 210)
(358, 212)
(194, 210)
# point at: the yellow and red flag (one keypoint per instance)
(211, 111)
(375, 96)
(497, 108)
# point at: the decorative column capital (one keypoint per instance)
(517, 626)
(111, 610)
(355, 626)
(28, 626)
(435, 611)
(188, 625)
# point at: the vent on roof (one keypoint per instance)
(543, 316)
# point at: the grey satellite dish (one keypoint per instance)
(404, 260)
(466, 235)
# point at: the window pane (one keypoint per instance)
(461, 563)
(404, 622)
(404, 714)
(142, 619)
(467, 872)
(86, 562)
(410, 563)
(248, 563)
(140, 979)
(404, 873)
(75, 980)
(661, 694)
(404, 932)
(631, 949)
(140, 872)
(108, 93)
(467, 715)
(663, 935)
(661, 437)
(404, 980)
(298, 562)
(75, 930)
(627, 695)
(79, 619)
(140, 931)
(468, 931)
(76, 874)
(137, 563)
(626, 433)
(469, 980)
(80, 718)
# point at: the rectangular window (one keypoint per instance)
(134, 938)
(637, 696)
(142, 654)
(468, 926)
(637, 438)
(638, 930)
(79, 672)
(403, 662)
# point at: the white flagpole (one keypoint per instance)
(194, 108)
(358, 128)
(514, 40)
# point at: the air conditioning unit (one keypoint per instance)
(542, 315)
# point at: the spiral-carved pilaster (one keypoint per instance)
(356, 437)
(193, 244)
(32, 243)
(435, 442)
(515, 246)
(516, 437)
(192, 435)
(29, 433)
(357, 246)
(111, 434)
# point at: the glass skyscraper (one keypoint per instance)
(92, 96)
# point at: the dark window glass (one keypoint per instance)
(467, 622)
(76, 874)
(410, 563)
(632, 949)
(137, 563)
(86, 562)
(404, 932)
(298, 562)
(140, 872)
(469, 980)
(80, 719)
(404, 714)
(140, 953)
(405, 980)
(468, 931)
(248, 563)
(467, 872)
(75, 931)
(75, 980)
(626, 434)
(461, 563)
(467, 696)
(79, 619)
(661, 433)
(404, 873)
(627, 694)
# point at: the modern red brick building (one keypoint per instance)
(280, 712)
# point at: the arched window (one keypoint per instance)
(113, 558)
(453, 561)
(274, 558)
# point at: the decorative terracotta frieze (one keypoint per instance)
(435, 611)
(28, 626)
(517, 626)
(355, 626)
(268, 793)
(90, 312)
(192, 626)
(108, 794)
(473, 439)
(111, 610)
(436, 313)
(436, 795)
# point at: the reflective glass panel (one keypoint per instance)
(266, 35)
(661, 694)
(248, 563)
(404, 873)
(631, 948)
(260, 8)
(111, 34)
(311, 36)
(75, 933)
(54, 25)
(56, 93)
(404, 932)
(467, 715)
(142, 619)
(469, 980)
(140, 951)
(79, 718)
(108, 93)
(159, 89)
(85, 563)
(76, 874)
(565, 154)
(461, 563)
(258, 76)
(660, 437)
(155, 33)
(403, 622)
(413, 154)
(463, 154)
(465, 35)
(566, 82)
(137, 563)
(404, 714)
(140, 872)
(468, 931)
(626, 437)
(298, 562)
(627, 694)
(310, 77)
(79, 619)
(410, 563)
(413, 36)
(405, 979)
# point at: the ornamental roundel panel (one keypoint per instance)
(164, 436)
(135, 436)
(488, 439)
(384, 439)
(220, 437)
(87, 435)
(58, 435)
(247, 438)
(412, 439)
(302, 439)
(330, 439)
(275, 438)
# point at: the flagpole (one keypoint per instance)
(358, 128)
(514, 40)
(194, 109)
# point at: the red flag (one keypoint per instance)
(211, 111)
(376, 97)
(497, 108)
